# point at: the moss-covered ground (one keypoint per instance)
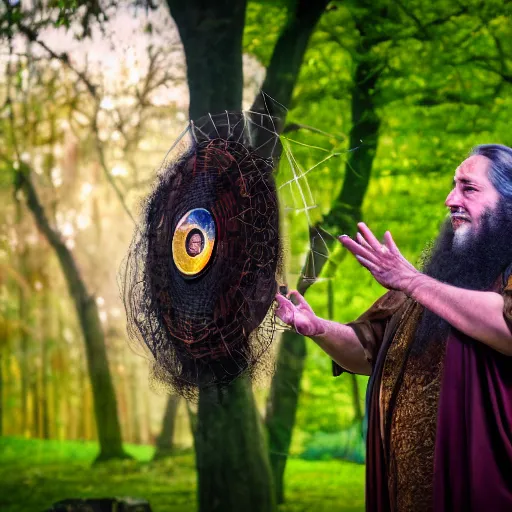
(35, 473)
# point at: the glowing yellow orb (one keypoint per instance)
(193, 241)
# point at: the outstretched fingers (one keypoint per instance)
(369, 237)
(363, 242)
(357, 249)
(390, 243)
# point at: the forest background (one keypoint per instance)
(383, 100)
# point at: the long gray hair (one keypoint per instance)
(500, 173)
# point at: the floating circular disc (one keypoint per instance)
(200, 277)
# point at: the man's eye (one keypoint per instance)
(469, 189)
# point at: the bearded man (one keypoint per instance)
(438, 348)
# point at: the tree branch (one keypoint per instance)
(103, 164)
(92, 89)
(63, 57)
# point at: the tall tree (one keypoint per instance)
(344, 213)
(105, 403)
(23, 318)
(212, 39)
(165, 440)
(3, 344)
(238, 476)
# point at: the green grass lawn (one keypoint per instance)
(34, 474)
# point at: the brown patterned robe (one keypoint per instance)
(408, 388)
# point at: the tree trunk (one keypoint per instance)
(192, 420)
(164, 442)
(45, 417)
(211, 33)
(24, 367)
(358, 413)
(36, 410)
(84, 412)
(287, 57)
(2, 407)
(282, 404)
(344, 214)
(46, 337)
(92, 431)
(280, 80)
(231, 456)
(59, 369)
(105, 405)
(57, 416)
(23, 318)
(8, 385)
(148, 434)
(124, 399)
(134, 407)
(346, 210)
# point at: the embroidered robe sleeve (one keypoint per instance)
(370, 327)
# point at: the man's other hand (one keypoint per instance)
(297, 313)
(384, 261)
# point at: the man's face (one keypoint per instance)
(194, 245)
(472, 195)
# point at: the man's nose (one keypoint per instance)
(454, 199)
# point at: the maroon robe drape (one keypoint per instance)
(473, 455)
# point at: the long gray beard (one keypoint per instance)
(475, 262)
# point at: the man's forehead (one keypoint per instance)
(473, 168)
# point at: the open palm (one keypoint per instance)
(298, 314)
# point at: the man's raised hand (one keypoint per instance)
(384, 261)
(298, 315)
